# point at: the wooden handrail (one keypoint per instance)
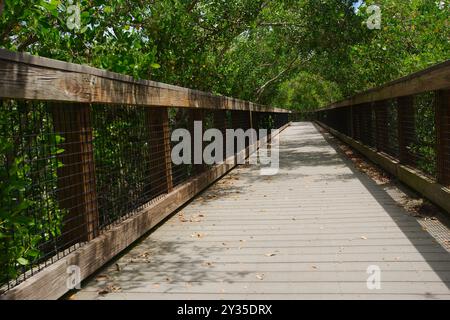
(23, 76)
(434, 78)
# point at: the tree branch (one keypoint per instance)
(29, 41)
(279, 24)
(260, 91)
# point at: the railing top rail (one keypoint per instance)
(436, 77)
(24, 76)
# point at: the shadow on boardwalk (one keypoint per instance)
(293, 235)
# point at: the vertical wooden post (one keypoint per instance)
(442, 111)
(76, 178)
(220, 123)
(237, 123)
(256, 124)
(160, 166)
(196, 115)
(406, 129)
(381, 118)
(248, 119)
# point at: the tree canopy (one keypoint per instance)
(298, 54)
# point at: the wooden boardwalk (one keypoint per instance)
(309, 232)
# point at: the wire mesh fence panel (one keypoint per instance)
(385, 114)
(357, 123)
(404, 128)
(392, 147)
(71, 171)
(423, 148)
(31, 228)
(443, 136)
(179, 119)
(367, 122)
(124, 167)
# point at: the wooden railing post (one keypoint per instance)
(442, 111)
(160, 151)
(196, 115)
(236, 123)
(246, 124)
(256, 122)
(220, 123)
(76, 178)
(406, 129)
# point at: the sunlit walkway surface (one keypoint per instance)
(311, 231)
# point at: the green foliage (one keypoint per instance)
(245, 48)
(29, 212)
(425, 145)
(306, 92)
(121, 151)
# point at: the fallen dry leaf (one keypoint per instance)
(102, 277)
(197, 235)
(103, 291)
(207, 264)
(110, 289)
(116, 289)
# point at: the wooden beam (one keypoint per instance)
(76, 178)
(434, 78)
(23, 76)
(51, 283)
(220, 123)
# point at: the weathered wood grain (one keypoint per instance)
(434, 78)
(23, 76)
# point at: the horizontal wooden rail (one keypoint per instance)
(434, 78)
(23, 76)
